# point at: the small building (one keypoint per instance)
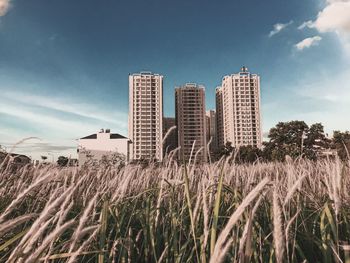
(104, 143)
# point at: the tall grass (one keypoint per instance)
(277, 212)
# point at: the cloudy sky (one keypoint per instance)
(64, 64)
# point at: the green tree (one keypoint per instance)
(285, 139)
(315, 142)
(341, 143)
(248, 154)
(296, 139)
(62, 161)
(227, 149)
(44, 158)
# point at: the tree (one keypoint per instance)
(285, 139)
(62, 161)
(43, 158)
(115, 158)
(248, 154)
(244, 154)
(296, 139)
(315, 142)
(227, 149)
(341, 143)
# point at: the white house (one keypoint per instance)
(103, 143)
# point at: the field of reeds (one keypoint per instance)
(296, 211)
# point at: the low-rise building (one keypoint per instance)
(103, 144)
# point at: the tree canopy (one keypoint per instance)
(294, 139)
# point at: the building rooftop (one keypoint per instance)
(111, 136)
(146, 73)
(190, 86)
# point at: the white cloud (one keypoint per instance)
(329, 89)
(279, 27)
(335, 17)
(4, 7)
(308, 42)
(66, 105)
(47, 121)
(332, 93)
(308, 24)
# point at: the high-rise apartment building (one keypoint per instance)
(146, 115)
(211, 130)
(170, 141)
(190, 120)
(219, 117)
(241, 109)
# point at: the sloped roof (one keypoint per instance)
(111, 136)
(92, 136)
(117, 136)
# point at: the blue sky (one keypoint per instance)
(64, 65)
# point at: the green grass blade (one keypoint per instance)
(103, 230)
(188, 199)
(216, 212)
(13, 239)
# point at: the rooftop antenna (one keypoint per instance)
(244, 69)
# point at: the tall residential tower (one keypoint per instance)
(191, 121)
(219, 118)
(146, 115)
(241, 109)
(169, 141)
(211, 130)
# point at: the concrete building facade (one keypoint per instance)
(241, 112)
(211, 130)
(146, 116)
(103, 143)
(191, 121)
(170, 141)
(219, 117)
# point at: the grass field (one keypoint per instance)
(297, 211)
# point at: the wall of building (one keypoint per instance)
(170, 142)
(219, 117)
(102, 145)
(191, 121)
(241, 109)
(211, 130)
(146, 115)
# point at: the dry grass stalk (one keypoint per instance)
(278, 233)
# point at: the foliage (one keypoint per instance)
(243, 154)
(341, 143)
(113, 159)
(227, 149)
(295, 139)
(248, 154)
(62, 161)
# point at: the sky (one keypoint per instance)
(64, 64)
